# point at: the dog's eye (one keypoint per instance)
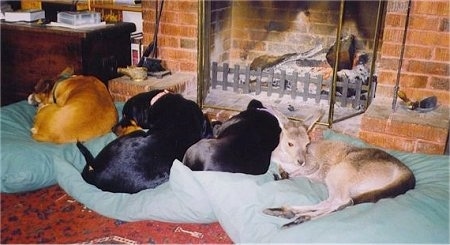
(290, 144)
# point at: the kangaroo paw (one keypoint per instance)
(297, 221)
(280, 212)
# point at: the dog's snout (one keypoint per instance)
(31, 100)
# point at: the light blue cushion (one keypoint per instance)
(27, 164)
(237, 200)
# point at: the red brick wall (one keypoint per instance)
(425, 72)
(177, 38)
(425, 69)
(244, 30)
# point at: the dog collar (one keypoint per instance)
(60, 79)
(158, 96)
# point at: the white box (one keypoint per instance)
(27, 15)
(78, 18)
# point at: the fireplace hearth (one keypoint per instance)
(285, 53)
(275, 28)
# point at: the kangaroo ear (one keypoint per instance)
(282, 119)
(310, 121)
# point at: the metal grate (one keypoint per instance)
(304, 87)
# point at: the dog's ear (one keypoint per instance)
(43, 86)
(67, 72)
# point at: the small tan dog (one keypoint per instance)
(72, 108)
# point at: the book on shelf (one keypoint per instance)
(27, 15)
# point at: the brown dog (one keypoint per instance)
(71, 109)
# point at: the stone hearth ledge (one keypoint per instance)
(406, 130)
(123, 88)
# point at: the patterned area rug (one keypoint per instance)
(49, 215)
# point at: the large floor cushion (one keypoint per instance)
(27, 164)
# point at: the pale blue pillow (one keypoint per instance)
(236, 201)
(27, 164)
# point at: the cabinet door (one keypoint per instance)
(103, 54)
(31, 56)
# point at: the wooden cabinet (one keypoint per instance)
(32, 51)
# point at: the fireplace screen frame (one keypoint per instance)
(204, 80)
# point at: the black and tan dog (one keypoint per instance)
(142, 159)
(137, 110)
(242, 144)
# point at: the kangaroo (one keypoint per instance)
(351, 174)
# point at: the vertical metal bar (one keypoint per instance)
(282, 84)
(246, 85)
(270, 82)
(201, 51)
(379, 22)
(258, 81)
(294, 85)
(400, 61)
(236, 78)
(345, 85)
(225, 76)
(306, 86)
(214, 71)
(318, 94)
(357, 103)
(336, 63)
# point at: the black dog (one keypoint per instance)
(137, 109)
(243, 144)
(142, 160)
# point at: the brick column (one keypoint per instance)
(425, 72)
(177, 37)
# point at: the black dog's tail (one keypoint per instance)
(86, 153)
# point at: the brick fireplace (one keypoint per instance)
(424, 72)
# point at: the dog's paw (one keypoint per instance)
(34, 130)
(279, 212)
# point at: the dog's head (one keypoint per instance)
(41, 93)
(125, 126)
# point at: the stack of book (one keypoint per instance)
(27, 15)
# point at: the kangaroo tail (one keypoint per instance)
(406, 182)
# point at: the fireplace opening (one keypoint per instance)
(286, 53)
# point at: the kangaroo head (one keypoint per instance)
(290, 154)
